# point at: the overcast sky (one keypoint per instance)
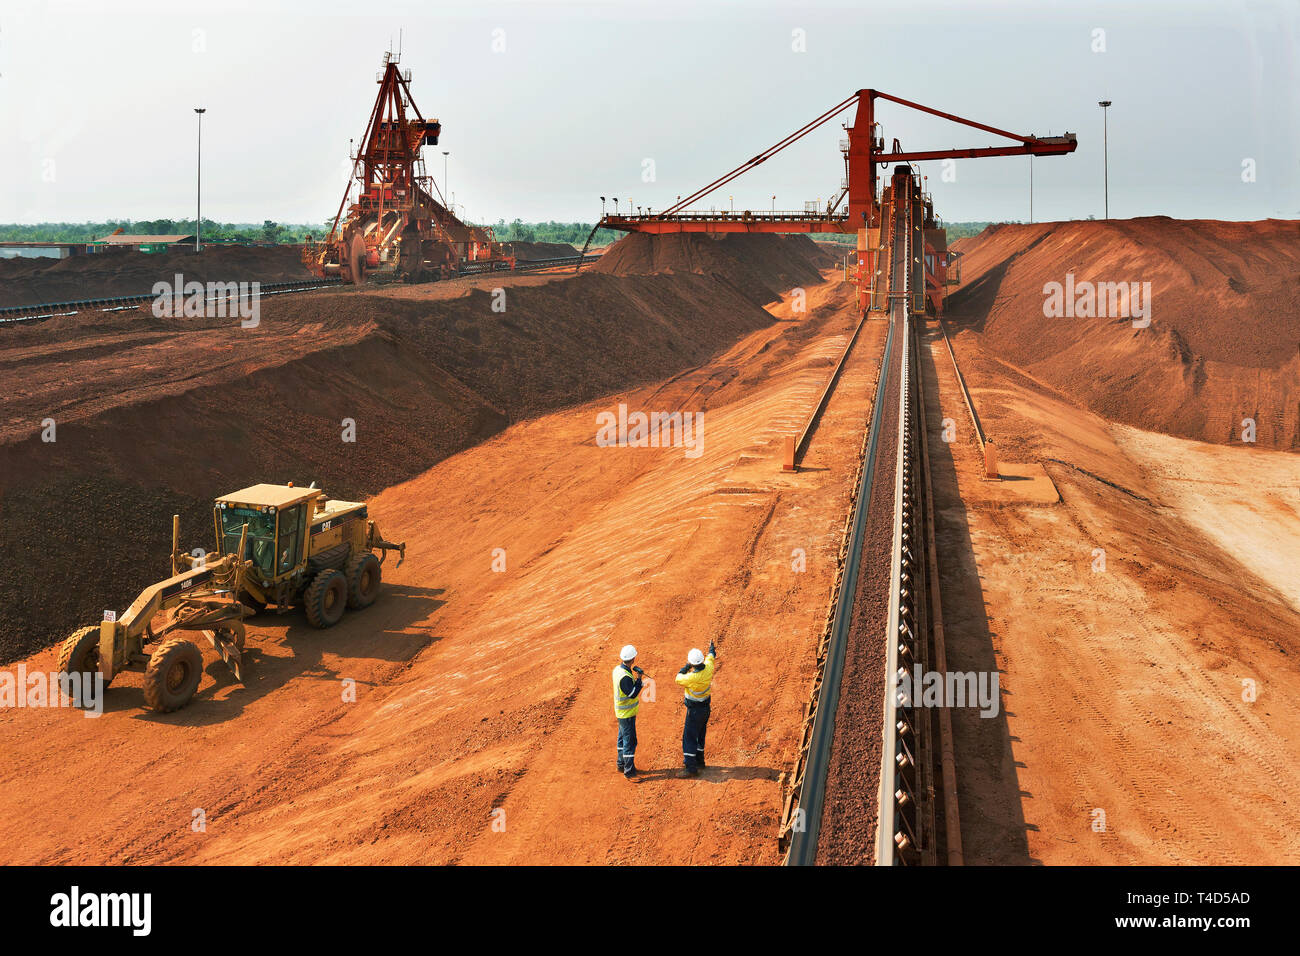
(96, 102)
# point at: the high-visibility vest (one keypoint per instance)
(624, 706)
(698, 684)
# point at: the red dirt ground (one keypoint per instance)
(1123, 683)
(157, 416)
(481, 690)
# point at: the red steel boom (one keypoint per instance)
(864, 151)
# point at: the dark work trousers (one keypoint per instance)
(697, 722)
(626, 742)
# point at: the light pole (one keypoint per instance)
(1105, 152)
(198, 191)
(602, 207)
(1031, 187)
(445, 154)
(774, 205)
(733, 204)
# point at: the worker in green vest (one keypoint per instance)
(628, 679)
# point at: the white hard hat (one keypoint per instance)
(696, 656)
(627, 653)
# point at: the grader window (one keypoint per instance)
(261, 536)
(290, 550)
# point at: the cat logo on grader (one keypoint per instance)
(276, 544)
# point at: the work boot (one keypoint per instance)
(699, 759)
(630, 772)
(690, 772)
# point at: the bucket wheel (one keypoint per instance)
(355, 259)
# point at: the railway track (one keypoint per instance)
(864, 787)
(121, 303)
(531, 266)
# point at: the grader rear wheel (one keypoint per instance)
(173, 675)
(364, 578)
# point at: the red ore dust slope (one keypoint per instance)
(1223, 342)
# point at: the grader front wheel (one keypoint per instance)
(173, 675)
(79, 653)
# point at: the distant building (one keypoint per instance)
(121, 240)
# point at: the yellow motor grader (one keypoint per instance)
(276, 544)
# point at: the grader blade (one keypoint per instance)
(229, 643)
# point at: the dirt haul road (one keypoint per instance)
(1143, 629)
(481, 689)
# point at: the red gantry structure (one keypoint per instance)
(396, 226)
(858, 206)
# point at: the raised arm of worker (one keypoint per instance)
(699, 677)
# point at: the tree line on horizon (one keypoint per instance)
(213, 231)
(273, 232)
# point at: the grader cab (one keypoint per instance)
(275, 544)
(303, 548)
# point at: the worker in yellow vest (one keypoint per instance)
(697, 680)
(628, 680)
